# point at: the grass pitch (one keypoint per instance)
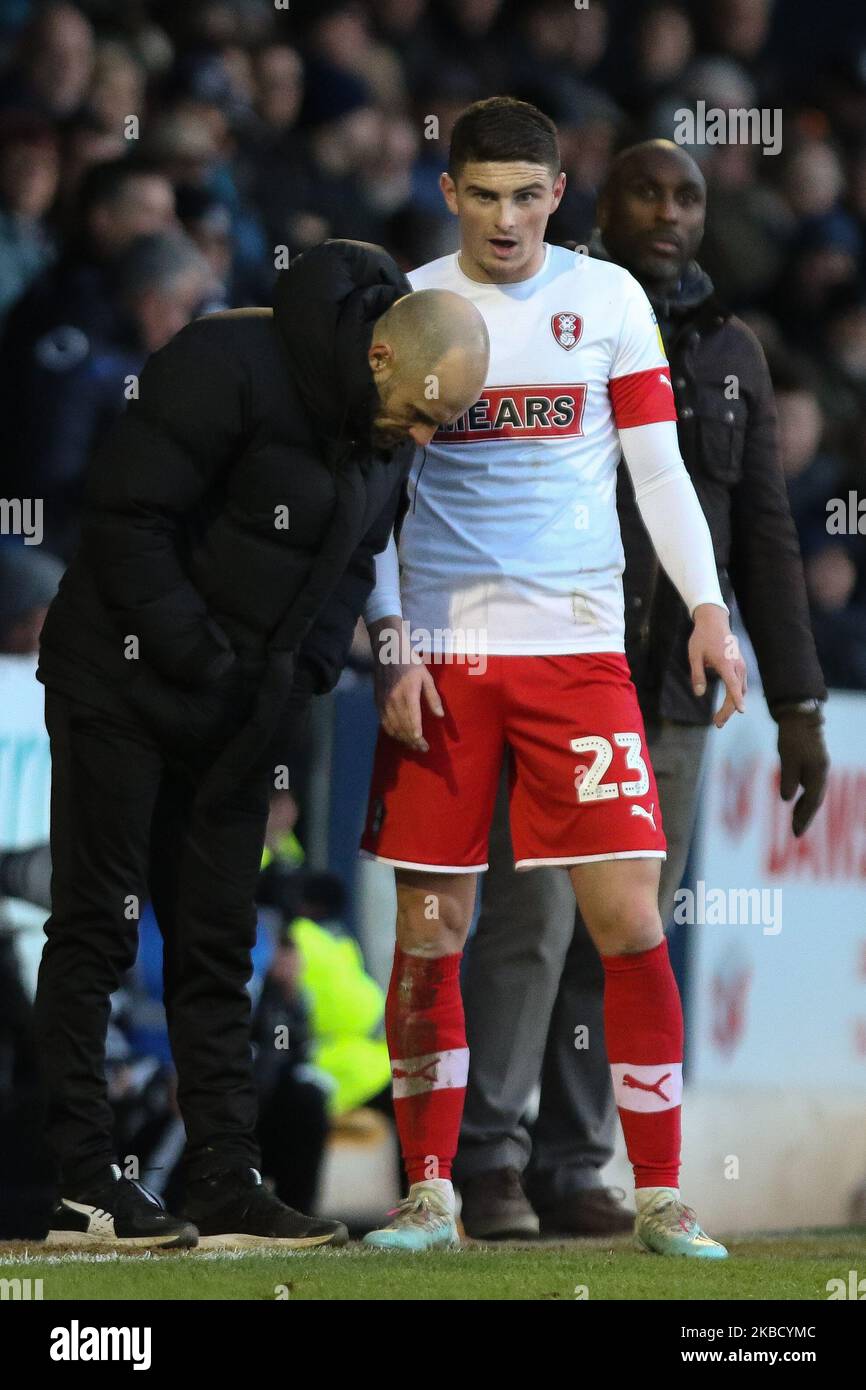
(785, 1266)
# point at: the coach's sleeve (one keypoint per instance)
(325, 650)
(765, 566)
(160, 459)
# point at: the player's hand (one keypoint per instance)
(712, 645)
(403, 688)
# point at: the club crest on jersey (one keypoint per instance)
(567, 329)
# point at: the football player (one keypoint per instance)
(507, 586)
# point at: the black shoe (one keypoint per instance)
(495, 1207)
(117, 1211)
(595, 1211)
(234, 1210)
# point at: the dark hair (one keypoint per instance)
(503, 128)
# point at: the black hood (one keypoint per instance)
(694, 289)
(325, 306)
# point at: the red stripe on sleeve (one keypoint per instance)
(643, 398)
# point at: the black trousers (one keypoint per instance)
(124, 827)
(293, 1130)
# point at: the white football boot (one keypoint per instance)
(665, 1226)
(423, 1221)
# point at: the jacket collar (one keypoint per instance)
(694, 291)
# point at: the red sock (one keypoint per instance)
(643, 1025)
(429, 1060)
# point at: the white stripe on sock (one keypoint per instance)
(647, 1089)
(434, 1071)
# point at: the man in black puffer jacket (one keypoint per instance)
(227, 549)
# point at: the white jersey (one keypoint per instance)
(512, 530)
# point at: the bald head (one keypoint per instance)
(651, 211)
(649, 154)
(429, 357)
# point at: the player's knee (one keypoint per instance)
(625, 928)
(431, 924)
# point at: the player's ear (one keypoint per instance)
(381, 360)
(449, 192)
(558, 189)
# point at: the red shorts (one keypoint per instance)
(581, 786)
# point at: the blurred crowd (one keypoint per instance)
(157, 161)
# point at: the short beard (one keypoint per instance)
(385, 437)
